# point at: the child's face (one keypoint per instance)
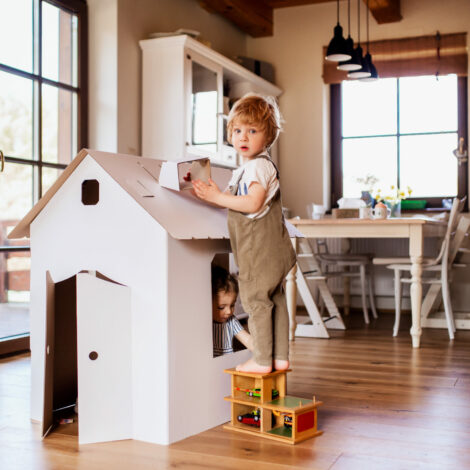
(223, 305)
(248, 140)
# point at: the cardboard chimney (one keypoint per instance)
(178, 174)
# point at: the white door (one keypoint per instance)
(104, 360)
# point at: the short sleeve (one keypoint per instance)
(235, 176)
(237, 326)
(260, 171)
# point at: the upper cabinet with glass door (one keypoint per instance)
(204, 80)
(186, 90)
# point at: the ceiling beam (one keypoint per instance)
(252, 17)
(255, 17)
(385, 11)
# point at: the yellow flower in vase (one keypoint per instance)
(393, 198)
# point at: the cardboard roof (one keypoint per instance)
(181, 214)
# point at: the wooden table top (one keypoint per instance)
(416, 220)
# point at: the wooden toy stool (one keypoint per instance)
(261, 407)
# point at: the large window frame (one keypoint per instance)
(336, 144)
(37, 163)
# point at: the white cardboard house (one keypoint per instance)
(141, 332)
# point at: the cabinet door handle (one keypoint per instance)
(2, 161)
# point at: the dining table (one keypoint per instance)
(413, 228)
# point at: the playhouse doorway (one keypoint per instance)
(88, 355)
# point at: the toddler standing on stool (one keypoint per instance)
(258, 235)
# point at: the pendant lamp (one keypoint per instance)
(364, 71)
(352, 63)
(337, 48)
(368, 58)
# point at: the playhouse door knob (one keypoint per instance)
(93, 355)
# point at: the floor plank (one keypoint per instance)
(386, 406)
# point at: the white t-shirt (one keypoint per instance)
(261, 171)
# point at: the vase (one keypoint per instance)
(395, 208)
(366, 196)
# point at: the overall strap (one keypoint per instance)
(269, 160)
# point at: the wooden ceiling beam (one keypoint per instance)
(252, 17)
(255, 17)
(385, 11)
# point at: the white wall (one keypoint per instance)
(295, 50)
(116, 26)
(102, 47)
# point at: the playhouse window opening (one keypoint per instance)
(90, 192)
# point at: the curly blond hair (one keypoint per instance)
(260, 111)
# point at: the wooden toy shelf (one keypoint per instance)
(271, 415)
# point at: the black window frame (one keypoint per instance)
(336, 180)
(18, 343)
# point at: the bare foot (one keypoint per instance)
(280, 364)
(252, 366)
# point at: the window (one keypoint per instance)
(403, 132)
(43, 103)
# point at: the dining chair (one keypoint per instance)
(440, 269)
(350, 266)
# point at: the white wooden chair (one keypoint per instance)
(350, 265)
(345, 261)
(440, 269)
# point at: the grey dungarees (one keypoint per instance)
(264, 255)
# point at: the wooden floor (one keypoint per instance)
(386, 407)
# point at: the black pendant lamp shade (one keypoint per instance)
(373, 71)
(364, 71)
(352, 63)
(337, 48)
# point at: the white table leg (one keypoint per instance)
(416, 289)
(291, 296)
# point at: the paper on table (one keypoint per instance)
(351, 203)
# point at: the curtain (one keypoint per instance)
(426, 55)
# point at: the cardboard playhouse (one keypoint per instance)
(121, 308)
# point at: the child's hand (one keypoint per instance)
(207, 192)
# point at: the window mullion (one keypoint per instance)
(36, 104)
(398, 132)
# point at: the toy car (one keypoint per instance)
(288, 421)
(287, 418)
(253, 418)
(256, 392)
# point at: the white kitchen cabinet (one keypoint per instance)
(184, 86)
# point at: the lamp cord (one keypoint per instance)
(349, 17)
(337, 11)
(367, 24)
(358, 22)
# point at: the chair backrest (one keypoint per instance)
(320, 245)
(457, 239)
(457, 206)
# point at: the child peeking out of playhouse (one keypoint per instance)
(259, 238)
(225, 325)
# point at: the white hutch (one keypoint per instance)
(186, 91)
